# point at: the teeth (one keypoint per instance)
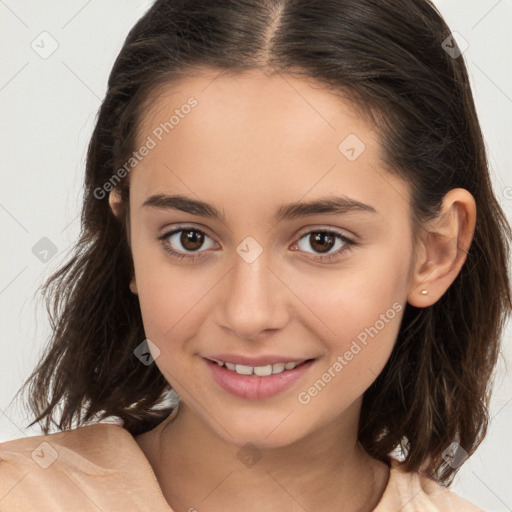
(260, 371)
(278, 368)
(263, 371)
(243, 370)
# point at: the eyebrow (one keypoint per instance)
(323, 205)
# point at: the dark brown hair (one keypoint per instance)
(387, 56)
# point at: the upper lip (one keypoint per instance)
(262, 360)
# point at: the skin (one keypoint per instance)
(253, 143)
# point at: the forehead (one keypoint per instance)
(276, 107)
(256, 133)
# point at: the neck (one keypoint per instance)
(197, 469)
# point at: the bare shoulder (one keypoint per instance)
(444, 498)
(411, 492)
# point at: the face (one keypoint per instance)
(255, 277)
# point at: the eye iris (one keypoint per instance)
(322, 242)
(192, 237)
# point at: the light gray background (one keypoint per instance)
(48, 110)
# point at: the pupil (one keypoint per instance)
(192, 240)
(322, 242)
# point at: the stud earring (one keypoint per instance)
(424, 292)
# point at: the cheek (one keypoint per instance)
(170, 304)
(341, 382)
(169, 295)
(358, 311)
(365, 337)
(171, 308)
(344, 302)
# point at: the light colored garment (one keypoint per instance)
(101, 467)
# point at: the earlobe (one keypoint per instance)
(133, 285)
(443, 248)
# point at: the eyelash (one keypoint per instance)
(348, 244)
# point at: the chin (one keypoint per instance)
(261, 431)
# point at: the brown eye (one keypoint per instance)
(186, 243)
(322, 241)
(191, 240)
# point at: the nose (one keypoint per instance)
(254, 300)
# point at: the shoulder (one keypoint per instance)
(90, 448)
(93, 467)
(412, 492)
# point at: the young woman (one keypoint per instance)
(288, 221)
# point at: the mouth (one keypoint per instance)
(257, 381)
(261, 370)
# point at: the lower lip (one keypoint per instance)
(255, 387)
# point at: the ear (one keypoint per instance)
(133, 285)
(115, 202)
(442, 248)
